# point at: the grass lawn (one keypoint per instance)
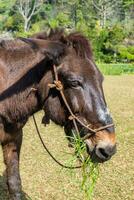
(42, 179)
(117, 68)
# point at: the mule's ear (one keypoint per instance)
(54, 50)
(41, 35)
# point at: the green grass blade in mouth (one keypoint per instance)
(89, 171)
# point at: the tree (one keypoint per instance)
(27, 9)
(105, 9)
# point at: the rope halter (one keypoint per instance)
(59, 86)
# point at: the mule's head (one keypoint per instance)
(84, 93)
(82, 87)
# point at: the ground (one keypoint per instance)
(42, 179)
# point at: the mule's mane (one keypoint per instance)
(79, 42)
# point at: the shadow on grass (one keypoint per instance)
(4, 191)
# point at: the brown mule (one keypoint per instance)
(27, 64)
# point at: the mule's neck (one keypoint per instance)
(21, 99)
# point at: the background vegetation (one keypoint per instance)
(109, 24)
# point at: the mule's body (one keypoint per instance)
(16, 101)
(21, 68)
(25, 71)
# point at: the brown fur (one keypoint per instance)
(26, 64)
(103, 136)
(23, 63)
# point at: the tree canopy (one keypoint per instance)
(109, 24)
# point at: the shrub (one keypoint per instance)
(105, 44)
(126, 54)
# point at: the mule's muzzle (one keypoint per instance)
(101, 152)
(105, 153)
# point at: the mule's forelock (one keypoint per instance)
(81, 45)
(79, 42)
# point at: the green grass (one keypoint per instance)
(89, 170)
(42, 179)
(116, 69)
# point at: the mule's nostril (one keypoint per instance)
(103, 152)
(106, 152)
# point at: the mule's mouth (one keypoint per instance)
(102, 150)
(100, 146)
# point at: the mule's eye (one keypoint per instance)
(75, 83)
(72, 80)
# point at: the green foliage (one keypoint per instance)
(128, 3)
(131, 49)
(6, 5)
(53, 23)
(116, 34)
(107, 39)
(63, 20)
(107, 45)
(5, 8)
(36, 27)
(126, 53)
